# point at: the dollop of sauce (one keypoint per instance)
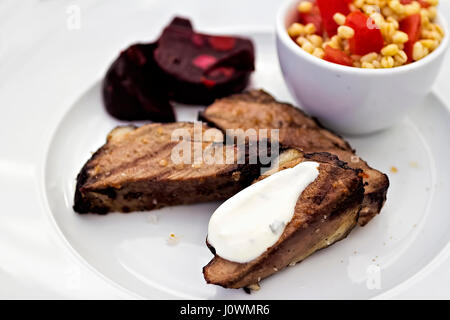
(253, 220)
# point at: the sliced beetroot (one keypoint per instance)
(200, 68)
(132, 88)
(222, 43)
(183, 65)
(181, 22)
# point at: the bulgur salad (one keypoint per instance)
(367, 33)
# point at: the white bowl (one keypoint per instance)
(353, 100)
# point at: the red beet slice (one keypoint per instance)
(222, 43)
(182, 65)
(132, 88)
(181, 22)
(200, 68)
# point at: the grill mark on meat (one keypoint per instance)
(127, 174)
(301, 237)
(132, 163)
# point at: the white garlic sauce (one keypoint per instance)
(253, 220)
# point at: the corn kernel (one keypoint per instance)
(400, 37)
(390, 50)
(433, 2)
(339, 18)
(305, 6)
(346, 32)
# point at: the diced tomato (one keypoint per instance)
(411, 26)
(312, 17)
(337, 56)
(423, 3)
(367, 38)
(327, 10)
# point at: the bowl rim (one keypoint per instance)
(281, 31)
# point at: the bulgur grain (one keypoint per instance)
(345, 32)
(305, 6)
(390, 50)
(339, 18)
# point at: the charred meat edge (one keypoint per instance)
(373, 201)
(340, 221)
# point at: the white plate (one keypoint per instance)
(131, 251)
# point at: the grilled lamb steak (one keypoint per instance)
(326, 211)
(134, 171)
(258, 110)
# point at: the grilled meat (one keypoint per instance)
(134, 171)
(326, 211)
(257, 109)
